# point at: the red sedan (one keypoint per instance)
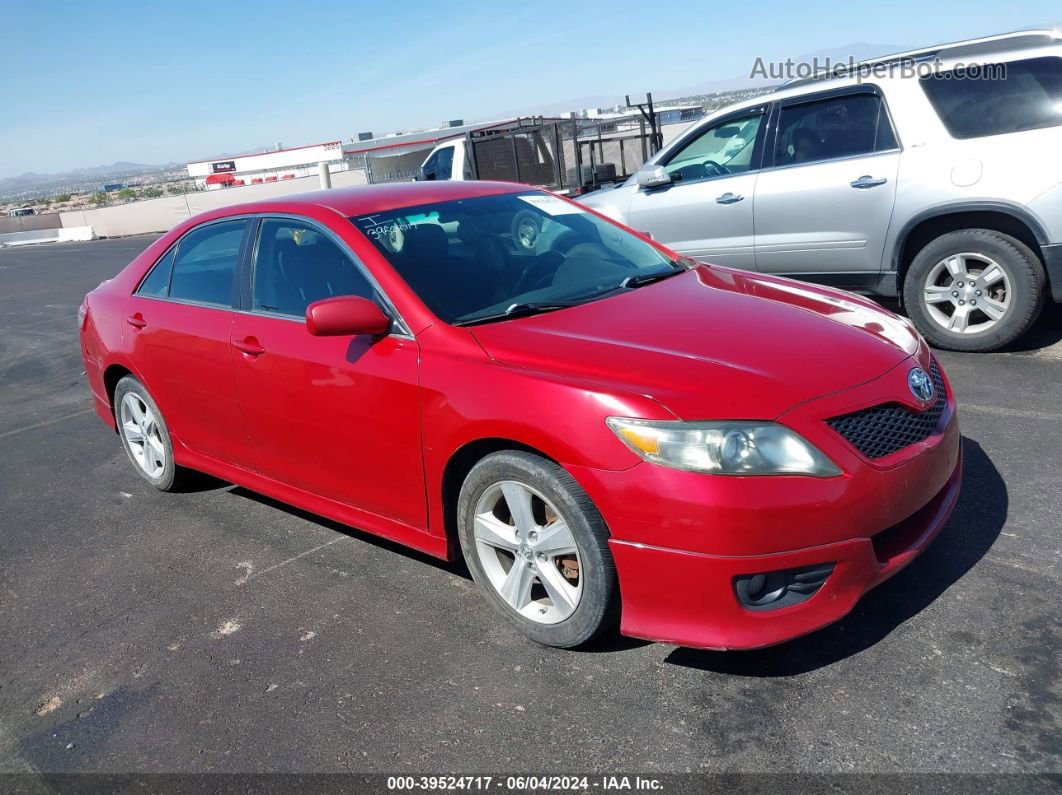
(605, 431)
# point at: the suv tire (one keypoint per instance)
(517, 562)
(974, 290)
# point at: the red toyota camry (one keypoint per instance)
(605, 431)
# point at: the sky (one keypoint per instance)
(90, 83)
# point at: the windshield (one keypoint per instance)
(471, 260)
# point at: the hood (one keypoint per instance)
(713, 343)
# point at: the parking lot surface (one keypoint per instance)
(218, 630)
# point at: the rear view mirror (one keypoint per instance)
(345, 315)
(652, 177)
(727, 132)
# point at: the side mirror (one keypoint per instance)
(345, 315)
(421, 174)
(652, 177)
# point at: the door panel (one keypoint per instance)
(184, 354)
(179, 325)
(690, 219)
(810, 219)
(337, 416)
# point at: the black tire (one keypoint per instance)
(172, 476)
(598, 607)
(1024, 271)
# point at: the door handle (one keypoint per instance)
(728, 198)
(867, 181)
(137, 320)
(248, 345)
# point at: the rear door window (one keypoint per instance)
(826, 129)
(157, 282)
(993, 99)
(205, 265)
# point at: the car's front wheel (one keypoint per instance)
(974, 290)
(145, 437)
(538, 548)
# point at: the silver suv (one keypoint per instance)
(934, 176)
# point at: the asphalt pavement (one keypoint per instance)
(217, 630)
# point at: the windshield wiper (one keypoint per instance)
(517, 310)
(648, 278)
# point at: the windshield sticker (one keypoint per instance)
(552, 205)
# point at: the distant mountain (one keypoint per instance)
(32, 183)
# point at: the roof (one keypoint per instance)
(367, 199)
(256, 154)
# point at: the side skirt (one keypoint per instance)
(356, 518)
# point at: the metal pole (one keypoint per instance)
(470, 150)
(578, 154)
(558, 156)
(516, 158)
(326, 175)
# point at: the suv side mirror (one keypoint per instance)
(652, 177)
(345, 315)
(421, 175)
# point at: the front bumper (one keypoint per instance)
(688, 598)
(680, 539)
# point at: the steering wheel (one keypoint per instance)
(713, 169)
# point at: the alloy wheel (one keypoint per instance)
(528, 552)
(141, 431)
(967, 293)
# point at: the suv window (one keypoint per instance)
(206, 262)
(841, 126)
(440, 165)
(724, 148)
(297, 264)
(1022, 95)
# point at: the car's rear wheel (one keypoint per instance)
(538, 548)
(145, 437)
(974, 290)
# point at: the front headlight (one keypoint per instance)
(724, 448)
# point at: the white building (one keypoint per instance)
(253, 169)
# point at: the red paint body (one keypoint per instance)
(361, 429)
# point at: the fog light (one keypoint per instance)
(776, 589)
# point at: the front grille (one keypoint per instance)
(881, 430)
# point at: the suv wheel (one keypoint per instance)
(974, 290)
(538, 549)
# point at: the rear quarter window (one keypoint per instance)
(994, 99)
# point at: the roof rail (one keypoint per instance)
(1017, 40)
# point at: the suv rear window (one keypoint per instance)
(998, 98)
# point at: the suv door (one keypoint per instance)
(335, 416)
(824, 205)
(705, 212)
(179, 321)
